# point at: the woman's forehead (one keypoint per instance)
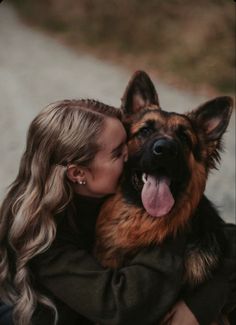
(112, 135)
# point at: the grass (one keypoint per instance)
(191, 43)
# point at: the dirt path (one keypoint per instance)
(36, 70)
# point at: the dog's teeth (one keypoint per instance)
(144, 178)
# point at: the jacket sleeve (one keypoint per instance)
(207, 301)
(139, 293)
(218, 293)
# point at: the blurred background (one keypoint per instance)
(56, 49)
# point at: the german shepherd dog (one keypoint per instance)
(162, 190)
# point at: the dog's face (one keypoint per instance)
(170, 154)
(161, 148)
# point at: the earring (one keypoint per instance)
(82, 182)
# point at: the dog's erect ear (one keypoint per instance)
(139, 93)
(213, 117)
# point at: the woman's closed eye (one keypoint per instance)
(119, 151)
(117, 154)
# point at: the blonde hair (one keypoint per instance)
(63, 132)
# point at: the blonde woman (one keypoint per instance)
(74, 157)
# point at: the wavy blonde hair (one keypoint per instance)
(63, 132)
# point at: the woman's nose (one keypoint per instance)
(125, 153)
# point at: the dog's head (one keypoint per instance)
(170, 154)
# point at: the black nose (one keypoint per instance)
(165, 148)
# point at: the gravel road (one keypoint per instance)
(36, 70)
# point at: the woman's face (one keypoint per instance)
(103, 173)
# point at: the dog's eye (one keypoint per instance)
(145, 132)
(184, 138)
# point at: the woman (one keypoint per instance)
(74, 158)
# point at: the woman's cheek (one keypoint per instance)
(119, 171)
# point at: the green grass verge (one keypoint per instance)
(193, 41)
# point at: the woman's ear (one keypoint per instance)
(75, 174)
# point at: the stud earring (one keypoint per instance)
(82, 182)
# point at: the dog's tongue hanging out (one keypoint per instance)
(156, 195)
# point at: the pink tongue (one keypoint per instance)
(156, 196)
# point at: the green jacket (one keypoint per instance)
(139, 293)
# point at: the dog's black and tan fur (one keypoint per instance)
(183, 147)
